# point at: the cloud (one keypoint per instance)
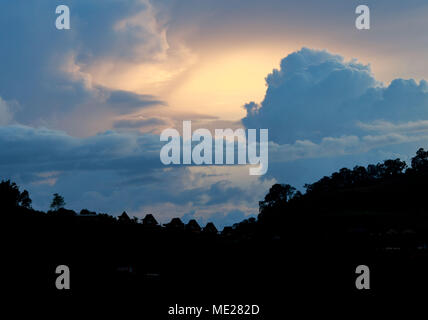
(345, 145)
(49, 70)
(316, 94)
(319, 104)
(307, 94)
(141, 122)
(385, 126)
(6, 114)
(26, 149)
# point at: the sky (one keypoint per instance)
(81, 110)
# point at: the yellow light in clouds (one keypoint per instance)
(223, 82)
(211, 81)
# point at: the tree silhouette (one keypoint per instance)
(124, 218)
(150, 221)
(24, 199)
(391, 168)
(193, 226)
(86, 212)
(57, 202)
(278, 195)
(420, 161)
(11, 197)
(175, 224)
(210, 228)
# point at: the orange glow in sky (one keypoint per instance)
(215, 82)
(223, 82)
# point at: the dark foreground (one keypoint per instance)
(160, 268)
(301, 253)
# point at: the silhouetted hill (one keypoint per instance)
(309, 243)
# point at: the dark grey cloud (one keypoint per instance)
(223, 191)
(26, 149)
(139, 123)
(126, 101)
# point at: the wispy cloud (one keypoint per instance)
(420, 126)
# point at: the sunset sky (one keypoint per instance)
(81, 110)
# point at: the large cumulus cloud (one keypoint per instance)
(324, 113)
(315, 94)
